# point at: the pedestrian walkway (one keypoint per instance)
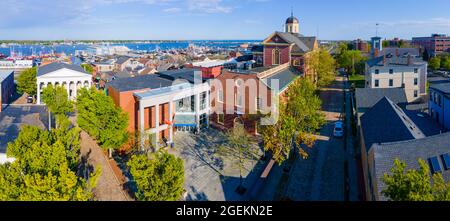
(109, 187)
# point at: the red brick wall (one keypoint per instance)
(285, 52)
(212, 72)
(249, 100)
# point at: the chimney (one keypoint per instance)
(409, 60)
(376, 52)
(384, 58)
(397, 52)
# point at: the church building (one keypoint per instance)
(285, 47)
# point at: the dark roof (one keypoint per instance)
(366, 98)
(401, 51)
(382, 124)
(42, 70)
(409, 151)
(139, 83)
(122, 59)
(425, 122)
(284, 77)
(302, 44)
(188, 74)
(257, 48)
(242, 58)
(442, 87)
(292, 20)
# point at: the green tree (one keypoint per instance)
(26, 82)
(88, 68)
(100, 118)
(445, 63)
(158, 178)
(45, 167)
(298, 119)
(239, 146)
(56, 99)
(435, 63)
(415, 185)
(324, 66)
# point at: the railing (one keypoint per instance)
(274, 70)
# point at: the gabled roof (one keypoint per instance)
(409, 151)
(301, 43)
(52, 67)
(122, 59)
(386, 122)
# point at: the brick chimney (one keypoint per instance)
(397, 52)
(384, 58)
(409, 60)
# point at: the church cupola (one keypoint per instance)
(292, 24)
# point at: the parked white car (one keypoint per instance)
(338, 129)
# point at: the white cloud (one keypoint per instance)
(172, 10)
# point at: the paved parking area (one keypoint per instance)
(208, 175)
(14, 116)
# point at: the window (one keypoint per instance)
(221, 118)
(391, 71)
(259, 103)
(439, 100)
(203, 101)
(377, 83)
(391, 82)
(276, 57)
(431, 96)
(238, 99)
(220, 96)
(377, 71)
(415, 93)
(416, 81)
(416, 70)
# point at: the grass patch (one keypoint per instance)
(358, 80)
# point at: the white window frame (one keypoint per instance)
(220, 98)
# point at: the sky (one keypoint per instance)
(218, 19)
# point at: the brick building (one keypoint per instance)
(434, 45)
(159, 104)
(286, 47)
(240, 96)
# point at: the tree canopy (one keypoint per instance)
(56, 99)
(323, 65)
(26, 82)
(352, 60)
(415, 185)
(440, 62)
(101, 119)
(298, 119)
(88, 68)
(45, 166)
(158, 178)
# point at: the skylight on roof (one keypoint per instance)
(446, 161)
(434, 165)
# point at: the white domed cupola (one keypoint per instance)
(292, 24)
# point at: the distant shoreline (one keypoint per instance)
(50, 42)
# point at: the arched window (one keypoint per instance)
(276, 57)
